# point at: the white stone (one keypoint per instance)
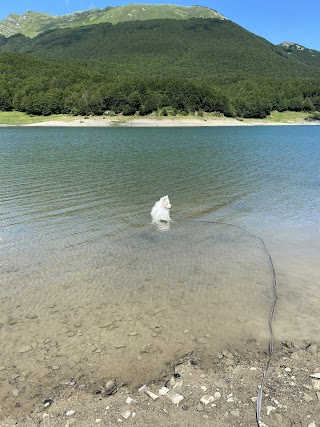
(203, 387)
(288, 369)
(307, 398)
(230, 398)
(315, 375)
(176, 398)
(152, 395)
(270, 409)
(316, 384)
(142, 388)
(217, 395)
(312, 425)
(130, 400)
(163, 391)
(126, 414)
(70, 413)
(206, 399)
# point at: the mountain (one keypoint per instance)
(32, 23)
(168, 65)
(197, 48)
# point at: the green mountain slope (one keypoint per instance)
(299, 53)
(217, 50)
(32, 23)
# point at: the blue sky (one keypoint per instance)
(275, 20)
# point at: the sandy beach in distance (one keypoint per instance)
(152, 121)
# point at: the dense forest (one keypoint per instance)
(165, 66)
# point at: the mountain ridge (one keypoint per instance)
(33, 23)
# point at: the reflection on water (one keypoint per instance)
(91, 287)
(162, 225)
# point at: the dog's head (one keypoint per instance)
(165, 202)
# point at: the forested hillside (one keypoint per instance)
(167, 66)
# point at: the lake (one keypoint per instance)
(90, 288)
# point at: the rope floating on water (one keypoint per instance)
(272, 312)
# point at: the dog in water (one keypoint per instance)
(160, 210)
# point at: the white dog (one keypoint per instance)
(160, 211)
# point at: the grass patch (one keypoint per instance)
(17, 118)
(287, 116)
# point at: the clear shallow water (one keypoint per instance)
(88, 284)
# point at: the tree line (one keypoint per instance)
(42, 87)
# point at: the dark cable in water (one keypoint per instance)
(272, 311)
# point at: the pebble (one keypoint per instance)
(111, 387)
(227, 354)
(25, 349)
(206, 399)
(199, 407)
(235, 413)
(133, 334)
(315, 375)
(47, 402)
(142, 389)
(307, 398)
(126, 414)
(129, 400)
(217, 395)
(15, 392)
(152, 395)
(270, 409)
(313, 424)
(316, 384)
(117, 346)
(70, 413)
(176, 398)
(31, 316)
(163, 391)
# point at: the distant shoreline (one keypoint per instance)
(9, 119)
(158, 122)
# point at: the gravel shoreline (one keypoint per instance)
(163, 122)
(193, 391)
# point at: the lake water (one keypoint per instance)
(90, 288)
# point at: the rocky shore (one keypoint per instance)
(194, 390)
